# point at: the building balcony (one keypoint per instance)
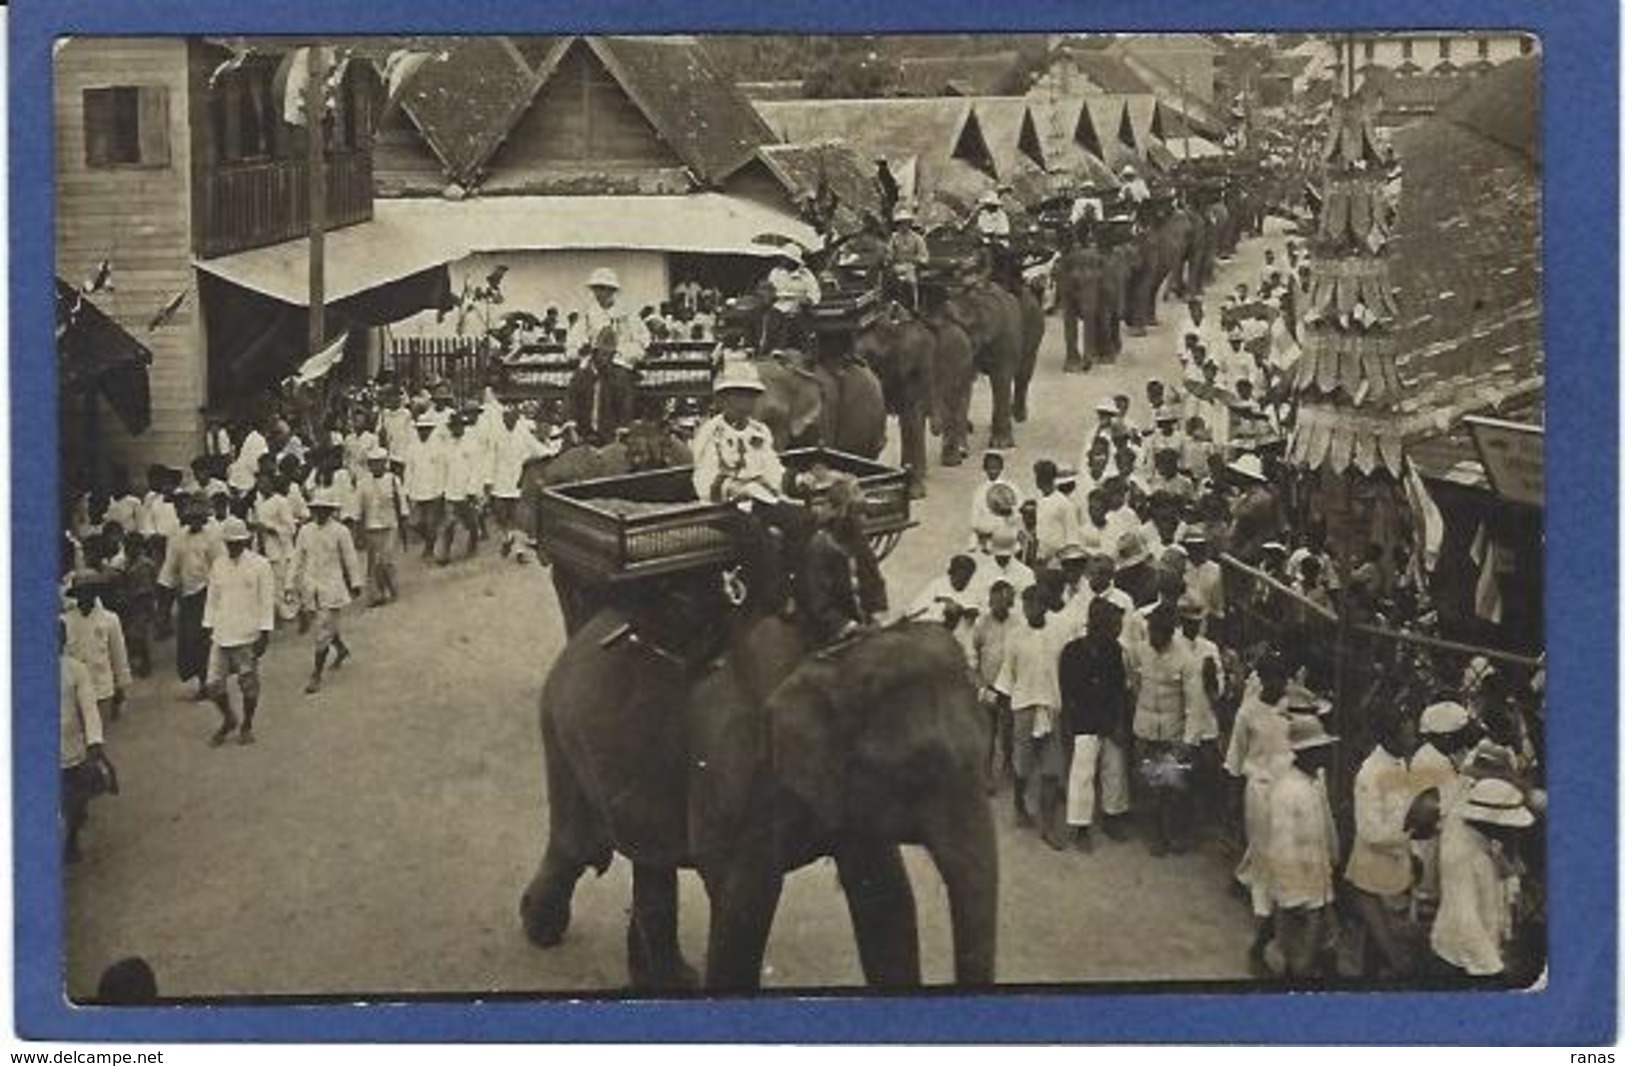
(253, 204)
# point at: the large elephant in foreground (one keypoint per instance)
(921, 364)
(994, 321)
(756, 767)
(808, 404)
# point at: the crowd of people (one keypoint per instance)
(267, 532)
(1108, 617)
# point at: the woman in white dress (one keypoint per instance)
(1258, 753)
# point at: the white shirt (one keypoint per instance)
(1057, 525)
(425, 470)
(277, 524)
(511, 449)
(465, 473)
(731, 461)
(1030, 676)
(242, 600)
(793, 289)
(1204, 722)
(326, 564)
(983, 522)
(1380, 861)
(988, 571)
(930, 603)
(396, 429)
(631, 336)
(97, 640)
(993, 223)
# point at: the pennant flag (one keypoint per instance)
(1429, 520)
(316, 367)
(101, 280)
(1486, 553)
(168, 311)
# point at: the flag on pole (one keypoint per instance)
(1429, 520)
(168, 311)
(316, 367)
(1487, 554)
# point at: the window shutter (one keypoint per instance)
(153, 108)
(98, 127)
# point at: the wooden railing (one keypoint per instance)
(250, 205)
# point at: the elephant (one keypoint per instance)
(920, 363)
(762, 763)
(1032, 337)
(994, 321)
(808, 403)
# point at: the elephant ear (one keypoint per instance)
(812, 745)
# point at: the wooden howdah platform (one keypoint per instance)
(589, 526)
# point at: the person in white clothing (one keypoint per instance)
(1257, 755)
(96, 638)
(1057, 522)
(276, 523)
(1204, 697)
(464, 489)
(513, 445)
(425, 483)
(1379, 865)
(1000, 563)
(81, 757)
(239, 614)
(994, 509)
(604, 314)
(329, 574)
(1478, 881)
(1030, 691)
(1436, 767)
(383, 511)
(1302, 848)
(395, 429)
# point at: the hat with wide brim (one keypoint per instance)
(738, 376)
(603, 278)
(1106, 407)
(1494, 801)
(1248, 466)
(378, 455)
(325, 498)
(1306, 731)
(1068, 553)
(1131, 550)
(1443, 718)
(1301, 698)
(234, 529)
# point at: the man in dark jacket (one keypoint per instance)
(602, 394)
(1095, 718)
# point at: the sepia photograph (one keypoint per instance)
(629, 516)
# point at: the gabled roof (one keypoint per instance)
(801, 167)
(967, 75)
(1106, 115)
(1143, 119)
(1012, 137)
(1466, 251)
(1202, 114)
(1061, 124)
(678, 86)
(898, 130)
(466, 105)
(1185, 42)
(1108, 72)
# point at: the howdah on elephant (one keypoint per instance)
(755, 767)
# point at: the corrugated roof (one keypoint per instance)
(1466, 253)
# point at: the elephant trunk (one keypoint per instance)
(966, 854)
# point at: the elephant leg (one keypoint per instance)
(1018, 399)
(911, 424)
(881, 903)
(744, 897)
(545, 905)
(1003, 433)
(654, 960)
(961, 841)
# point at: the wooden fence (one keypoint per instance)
(462, 362)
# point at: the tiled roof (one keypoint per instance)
(981, 75)
(801, 167)
(898, 129)
(467, 104)
(1466, 253)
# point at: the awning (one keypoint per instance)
(95, 353)
(704, 223)
(357, 258)
(408, 236)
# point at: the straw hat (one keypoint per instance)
(1494, 801)
(325, 497)
(1249, 466)
(377, 455)
(1443, 718)
(1305, 731)
(234, 529)
(1131, 549)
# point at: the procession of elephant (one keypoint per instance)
(771, 754)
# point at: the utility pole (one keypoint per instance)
(316, 192)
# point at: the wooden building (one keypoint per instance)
(173, 157)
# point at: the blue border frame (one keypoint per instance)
(1578, 1006)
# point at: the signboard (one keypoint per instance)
(1514, 458)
